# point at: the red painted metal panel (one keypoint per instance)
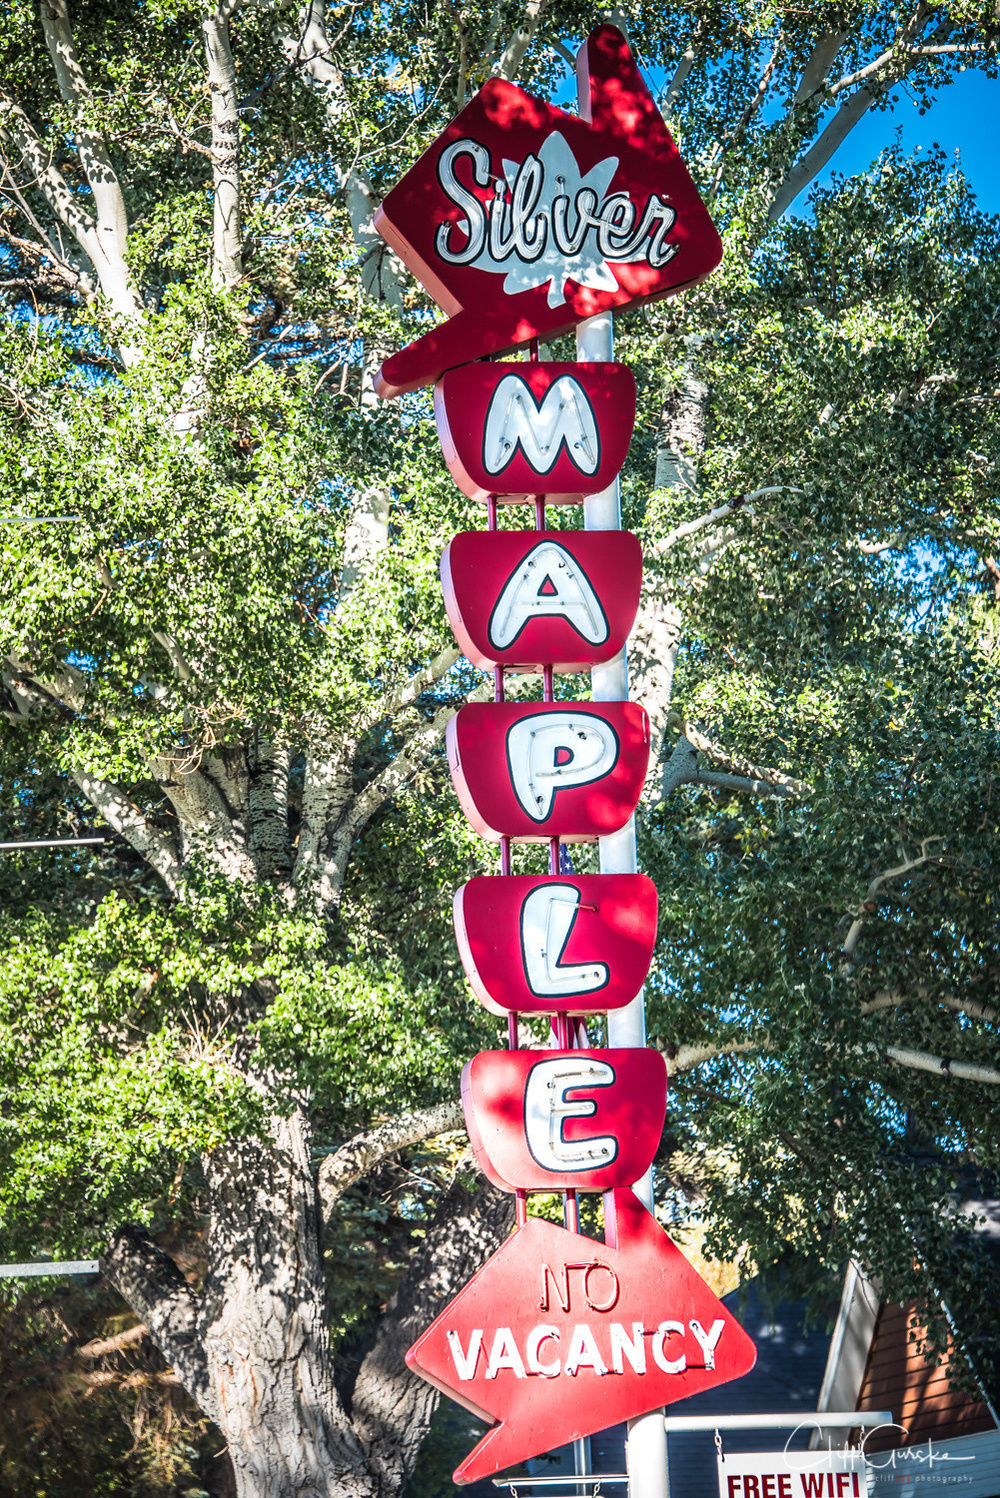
(524, 599)
(559, 1336)
(517, 430)
(521, 220)
(575, 945)
(579, 1120)
(534, 771)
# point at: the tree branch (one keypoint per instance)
(513, 53)
(46, 248)
(403, 765)
(895, 998)
(942, 1066)
(868, 904)
(178, 660)
(325, 792)
(736, 764)
(681, 768)
(715, 516)
(407, 694)
(359, 1155)
(653, 647)
(267, 795)
(894, 65)
(367, 535)
(391, 1408)
(17, 128)
(820, 61)
(687, 61)
(686, 1057)
(207, 824)
(227, 229)
(154, 846)
(751, 109)
(313, 51)
(156, 1290)
(740, 784)
(107, 239)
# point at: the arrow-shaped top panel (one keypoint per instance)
(558, 1336)
(521, 220)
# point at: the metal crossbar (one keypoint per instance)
(823, 1419)
(49, 842)
(63, 1266)
(596, 1478)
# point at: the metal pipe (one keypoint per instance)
(840, 1420)
(62, 1266)
(646, 1446)
(598, 1479)
(50, 842)
(38, 519)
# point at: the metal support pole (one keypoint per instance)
(49, 842)
(646, 1446)
(46, 1268)
(824, 1419)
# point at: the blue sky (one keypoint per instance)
(964, 117)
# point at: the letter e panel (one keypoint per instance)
(526, 599)
(584, 1120)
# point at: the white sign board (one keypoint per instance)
(793, 1474)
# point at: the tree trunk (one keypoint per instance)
(391, 1409)
(262, 1324)
(253, 1348)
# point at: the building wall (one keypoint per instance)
(914, 1386)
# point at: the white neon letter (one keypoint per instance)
(556, 751)
(583, 1351)
(536, 1337)
(633, 1347)
(547, 919)
(546, 1109)
(504, 1354)
(708, 1340)
(465, 1362)
(564, 415)
(547, 583)
(669, 1365)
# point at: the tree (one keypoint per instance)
(235, 656)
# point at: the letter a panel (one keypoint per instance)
(527, 599)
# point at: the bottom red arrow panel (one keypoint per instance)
(559, 1336)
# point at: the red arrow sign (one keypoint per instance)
(581, 1120)
(522, 220)
(517, 430)
(537, 770)
(524, 599)
(559, 1336)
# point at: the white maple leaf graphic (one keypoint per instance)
(587, 265)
